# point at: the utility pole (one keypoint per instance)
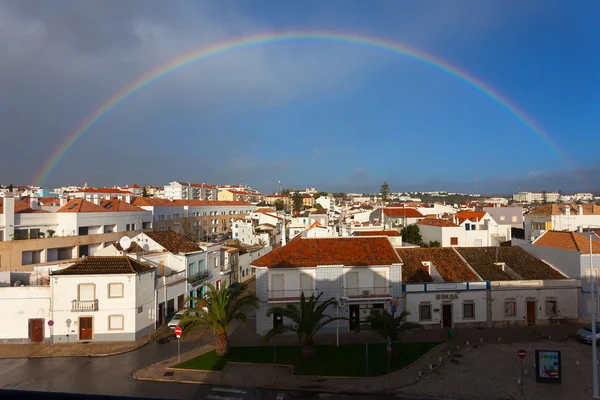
(594, 340)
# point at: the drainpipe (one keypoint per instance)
(165, 291)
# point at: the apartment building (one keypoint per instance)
(393, 217)
(561, 217)
(539, 197)
(469, 229)
(190, 191)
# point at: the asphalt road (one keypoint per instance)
(113, 376)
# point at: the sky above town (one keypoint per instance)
(328, 114)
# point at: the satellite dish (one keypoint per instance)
(125, 242)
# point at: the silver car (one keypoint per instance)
(585, 334)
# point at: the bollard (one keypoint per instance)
(480, 340)
(420, 373)
(440, 359)
(467, 342)
(430, 366)
(576, 362)
(457, 347)
(499, 339)
(448, 352)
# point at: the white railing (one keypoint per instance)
(84, 305)
(160, 281)
(367, 292)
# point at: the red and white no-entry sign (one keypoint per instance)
(522, 353)
(178, 331)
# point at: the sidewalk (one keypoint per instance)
(281, 376)
(78, 349)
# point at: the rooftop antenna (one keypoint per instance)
(125, 243)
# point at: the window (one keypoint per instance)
(425, 312)
(515, 218)
(115, 323)
(115, 290)
(590, 308)
(502, 218)
(467, 227)
(510, 308)
(216, 262)
(86, 292)
(468, 310)
(218, 285)
(140, 309)
(453, 241)
(550, 307)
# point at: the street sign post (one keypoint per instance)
(178, 332)
(51, 323)
(522, 354)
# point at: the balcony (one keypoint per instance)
(287, 295)
(169, 279)
(368, 292)
(84, 305)
(198, 278)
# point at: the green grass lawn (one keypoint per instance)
(348, 360)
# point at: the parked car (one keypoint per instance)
(176, 320)
(237, 288)
(585, 334)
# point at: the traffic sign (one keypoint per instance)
(522, 353)
(394, 309)
(50, 323)
(178, 331)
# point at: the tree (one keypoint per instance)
(50, 233)
(320, 194)
(279, 205)
(144, 192)
(298, 201)
(545, 197)
(318, 206)
(308, 318)
(385, 191)
(219, 309)
(386, 325)
(435, 243)
(10, 188)
(262, 204)
(411, 234)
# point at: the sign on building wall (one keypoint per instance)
(547, 366)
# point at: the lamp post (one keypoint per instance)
(594, 340)
(339, 302)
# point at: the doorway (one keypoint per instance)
(354, 311)
(36, 330)
(530, 312)
(161, 314)
(447, 316)
(277, 320)
(86, 329)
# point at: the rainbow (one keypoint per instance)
(270, 38)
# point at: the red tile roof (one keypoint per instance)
(151, 202)
(134, 186)
(444, 223)
(49, 201)
(174, 242)
(105, 266)
(265, 210)
(402, 212)
(80, 205)
(20, 207)
(446, 261)
(561, 209)
(349, 251)
(118, 206)
(567, 241)
(472, 216)
(377, 233)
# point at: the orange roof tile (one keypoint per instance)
(402, 212)
(151, 202)
(444, 223)
(351, 251)
(118, 206)
(377, 233)
(446, 261)
(472, 216)
(134, 186)
(80, 205)
(567, 241)
(561, 209)
(20, 207)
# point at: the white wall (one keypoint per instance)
(18, 305)
(366, 279)
(565, 292)
(566, 261)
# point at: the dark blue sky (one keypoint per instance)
(332, 115)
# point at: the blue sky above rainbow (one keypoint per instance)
(326, 113)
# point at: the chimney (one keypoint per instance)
(34, 203)
(568, 210)
(96, 200)
(9, 215)
(63, 199)
(128, 199)
(580, 209)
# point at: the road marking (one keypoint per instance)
(229, 390)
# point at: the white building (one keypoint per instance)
(190, 191)
(366, 270)
(561, 217)
(533, 197)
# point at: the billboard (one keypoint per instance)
(547, 366)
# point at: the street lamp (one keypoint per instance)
(594, 340)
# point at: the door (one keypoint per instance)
(447, 316)
(277, 320)
(354, 315)
(86, 329)
(161, 314)
(170, 308)
(277, 287)
(180, 303)
(531, 312)
(36, 330)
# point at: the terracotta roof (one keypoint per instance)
(118, 206)
(561, 209)
(377, 233)
(567, 241)
(444, 223)
(151, 202)
(49, 201)
(20, 207)
(472, 216)
(402, 212)
(350, 251)
(320, 211)
(450, 266)
(265, 210)
(315, 224)
(134, 186)
(482, 260)
(174, 242)
(80, 205)
(105, 266)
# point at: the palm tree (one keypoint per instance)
(389, 326)
(217, 310)
(308, 318)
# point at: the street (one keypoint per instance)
(113, 376)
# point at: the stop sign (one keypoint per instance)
(178, 331)
(522, 353)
